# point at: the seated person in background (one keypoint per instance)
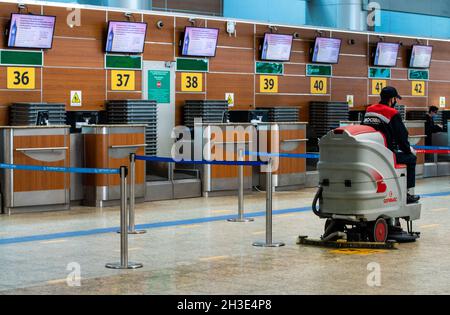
(386, 119)
(430, 126)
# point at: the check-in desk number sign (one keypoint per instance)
(377, 86)
(191, 82)
(268, 84)
(319, 85)
(21, 78)
(123, 80)
(418, 88)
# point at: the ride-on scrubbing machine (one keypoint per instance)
(362, 192)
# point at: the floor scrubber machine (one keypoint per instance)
(362, 192)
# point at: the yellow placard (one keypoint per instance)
(268, 84)
(377, 86)
(418, 88)
(319, 85)
(123, 80)
(21, 78)
(191, 82)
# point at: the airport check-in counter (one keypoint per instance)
(26, 191)
(109, 146)
(440, 166)
(416, 130)
(291, 138)
(218, 140)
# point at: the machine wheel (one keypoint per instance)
(378, 231)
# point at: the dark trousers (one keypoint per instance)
(410, 160)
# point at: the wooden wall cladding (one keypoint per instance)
(159, 52)
(243, 61)
(74, 52)
(240, 85)
(211, 7)
(59, 82)
(76, 62)
(92, 23)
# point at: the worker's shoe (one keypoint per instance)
(412, 199)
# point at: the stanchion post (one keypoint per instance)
(124, 263)
(132, 223)
(269, 190)
(241, 217)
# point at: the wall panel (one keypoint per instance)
(76, 62)
(59, 82)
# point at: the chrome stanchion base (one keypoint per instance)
(135, 232)
(131, 265)
(264, 244)
(241, 220)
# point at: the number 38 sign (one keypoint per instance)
(191, 82)
(21, 78)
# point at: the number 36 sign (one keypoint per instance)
(21, 78)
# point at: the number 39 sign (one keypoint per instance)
(268, 84)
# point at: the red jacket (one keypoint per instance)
(388, 120)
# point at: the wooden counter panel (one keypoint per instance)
(220, 154)
(97, 155)
(419, 131)
(35, 180)
(288, 165)
(127, 139)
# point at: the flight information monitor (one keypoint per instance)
(421, 56)
(386, 54)
(126, 37)
(31, 31)
(277, 47)
(326, 50)
(200, 42)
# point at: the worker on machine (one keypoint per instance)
(386, 119)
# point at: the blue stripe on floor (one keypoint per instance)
(439, 194)
(53, 236)
(46, 237)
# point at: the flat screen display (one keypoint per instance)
(326, 50)
(200, 42)
(126, 37)
(31, 31)
(421, 56)
(277, 47)
(386, 54)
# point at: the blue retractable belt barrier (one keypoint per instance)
(422, 147)
(170, 160)
(285, 155)
(60, 169)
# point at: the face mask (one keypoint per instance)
(394, 104)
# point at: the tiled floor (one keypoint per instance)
(217, 257)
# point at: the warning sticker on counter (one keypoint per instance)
(75, 98)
